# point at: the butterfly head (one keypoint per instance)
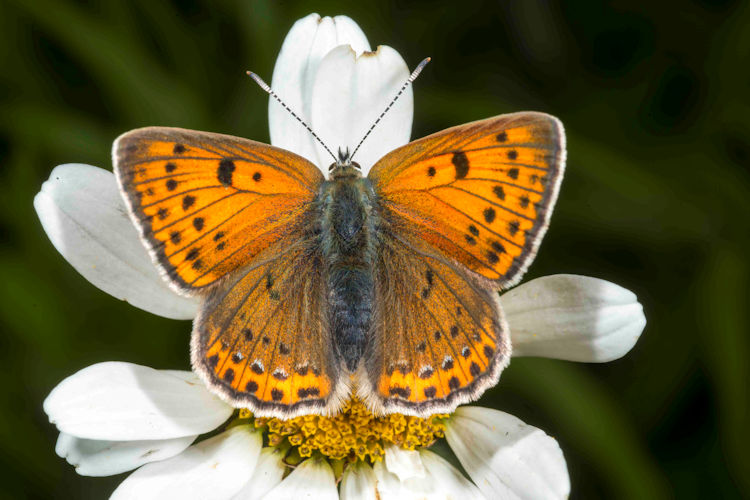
(344, 166)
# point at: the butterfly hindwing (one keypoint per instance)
(262, 340)
(206, 203)
(439, 338)
(480, 194)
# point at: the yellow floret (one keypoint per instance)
(353, 434)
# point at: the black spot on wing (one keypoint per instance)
(188, 201)
(212, 361)
(224, 172)
(461, 164)
(277, 394)
(403, 392)
(489, 214)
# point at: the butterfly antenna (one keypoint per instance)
(270, 91)
(412, 77)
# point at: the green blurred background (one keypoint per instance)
(654, 96)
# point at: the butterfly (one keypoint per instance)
(314, 289)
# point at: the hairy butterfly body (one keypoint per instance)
(383, 286)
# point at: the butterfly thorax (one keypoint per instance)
(348, 222)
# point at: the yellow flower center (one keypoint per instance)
(354, 433)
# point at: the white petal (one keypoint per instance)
(573, 317)
(215, 468)
(403, 463)
(85, 218)
(447, 482)
(438, 480)
(388, 484)
(123, 401)
(105, 458)
(309, 40)
(268, 473)
(312, 479)
(350, 93)
(505, 457)
(359, 483)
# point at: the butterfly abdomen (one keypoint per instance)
(347, 249)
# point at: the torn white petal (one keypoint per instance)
(405, 464)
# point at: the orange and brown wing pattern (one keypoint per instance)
(439, 337)
(481, 193)
(206, 203)
(262, 340)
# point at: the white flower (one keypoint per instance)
(116, 417)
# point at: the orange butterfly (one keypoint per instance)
(314, 289)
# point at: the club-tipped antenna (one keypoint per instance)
(412, 77)
(270, 91)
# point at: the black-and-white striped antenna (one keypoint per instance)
(412, 77)
(346, 157)
(270, 91)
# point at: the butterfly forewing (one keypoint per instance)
(480, 194)
(206, 203)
